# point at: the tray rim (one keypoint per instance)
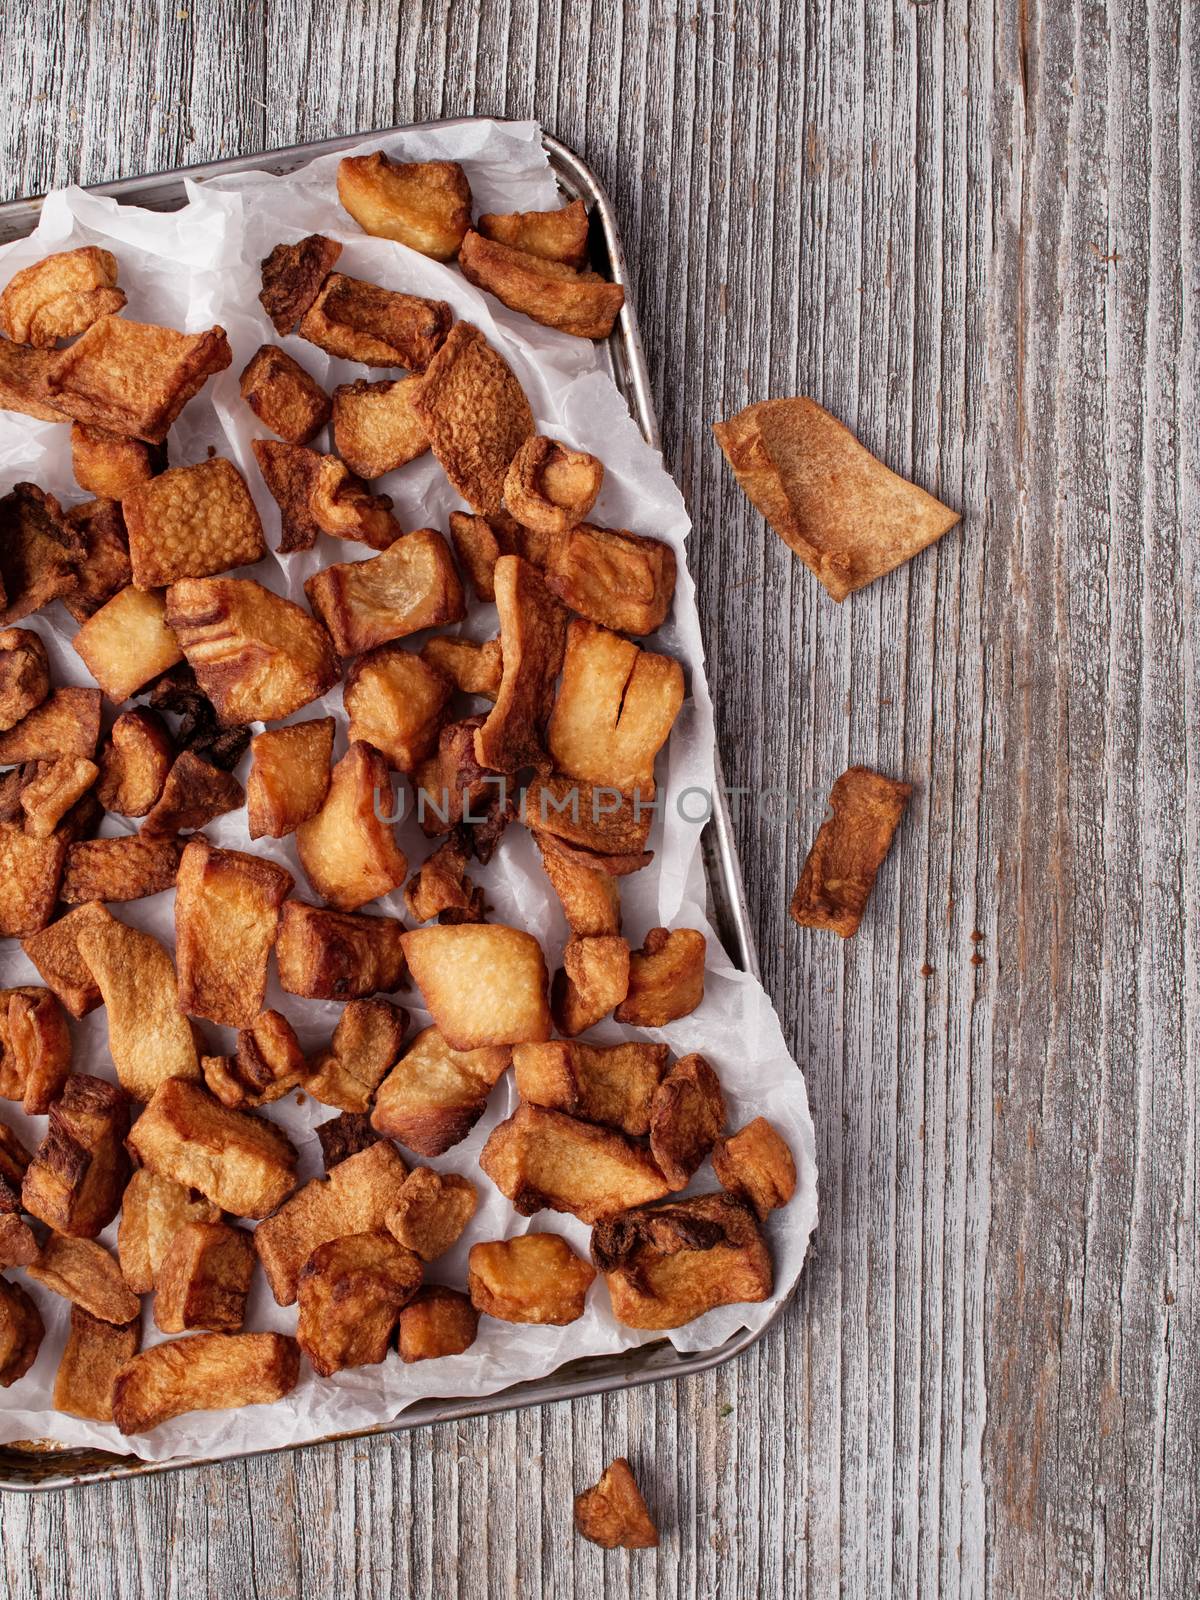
(659, 1360)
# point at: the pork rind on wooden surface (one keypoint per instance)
(60, 296)
(206, 1372)
(613, 1513)
(535, 1277)
(552, 293)
(423, 204)
(560, 235)
(849, 850)
(379, 327)
(435, 1095)
(849, 518)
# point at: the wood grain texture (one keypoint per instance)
(970, 229)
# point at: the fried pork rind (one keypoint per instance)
(83, 1272)
(226, 916)
(686, 1119)
(192, 522)
(590, 896)
(549, 488)
(849, 850)
(535, 1277)
(55, 953)
(37, 1054)
(478, 544)
(613, 1514)
(363, 322)
(666, 978)
(452, 788)
(79, 1172)
(53, 790)
(364, 1048)
(21, 1330)
(60, 296)
(472, 668)
(40, 552)
(615, 709)
(153, 1210)
(412, 585)
(541, 1158)
(289, 776)
(756, 1165)
(375, 429)
(593, 979)
(847, 516)
(283, 396)
(621, 580)
(532, 635)
(14, 1158)
(351, 1291)
(667, 1264)
(441, 888)
(319, 494)
(199, 729)
(94, 1353)
(432, 1211)
(423, 204)
(257, 656)
(609, 828)
(238, 1161)
(30, 873)
(355, 1198)
(329, 955)
(134, 762)
(127, 642)
(108, 464)
(125, 868)
(556, 295)
(148, 1039)
(292, 276)
(434, 1096)
(344, 1136)
(396, 702)
(476, 415)
(560, 235)
(134, 378)
(613, 1084)
(206, 1372)
(18, 1243)
(23, 381)
(349, 855)
(194, 793)
(484, 984)
(436, 1322)
(104, 567)
(66, 723)
(204, 1279)
(24, 675)
(268, 1064)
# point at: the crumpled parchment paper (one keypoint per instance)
(199, 266)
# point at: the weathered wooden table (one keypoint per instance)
(970, 228)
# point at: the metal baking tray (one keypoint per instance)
(42, 1464)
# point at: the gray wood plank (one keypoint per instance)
(970, 229)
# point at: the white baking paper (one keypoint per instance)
(199, 266)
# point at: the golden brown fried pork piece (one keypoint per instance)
(476, 415)
(434, 1095)
(620, 580)
(134, 762)
(60, 296)
(667, 1264)
(289, 776)
(423, 204)
(55, 953)
(687, 1117)
(472, 668)
(375, 429)
(396, 703)
(365, 1045)
(23, 373)
(590, 896)
(441, 887)
(319, 494)
(594, 978)
(127, 642)
(36, 1042)
(18, 1243)
(21, 1330)
(66, 723)
(268, 1064)
(204, 1279)
(292, 276)
(104, 567)
(24, 675)
(436, 1322)
(226, 916)
(549, 488)
(532, 639)
(355, 1198)
(560, 235)
(595, 822)
(348, 852)
(847, 516)
(849, 850)
(542, 1159)
(756, 1165)
(613, 1513)
(379, 327)
(613, 1084)
(552, 293)
(431, 1211)
(125, 868)
(666, 978)
(332, 955)
(153, 1210)
(535, 1277)
(351, 1291)
(84, 1272)
(52, 789)
(109, 465)
(484, 984)
(192, 522)
(412, 585)
(240, 1162)
(206, 1372)
(30, 873)
(193, 793)
(94, 1353)
(283, 396)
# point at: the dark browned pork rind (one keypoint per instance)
(667, 1264)
(379, 327)
(336, 955)
(687, 1116)
(40, 552)
(21, 1330)
(849, 850)
(582, 303)
(283, 396)
(532, 641)
(78, 1173)
(292, 276)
